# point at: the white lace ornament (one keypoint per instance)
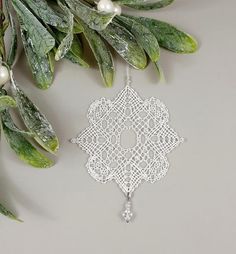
(111, 158)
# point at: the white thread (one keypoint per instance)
(128, 78)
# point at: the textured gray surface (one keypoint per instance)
(192, 210)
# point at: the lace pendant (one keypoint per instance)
(112, 158)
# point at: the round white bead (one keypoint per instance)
(106, 6)
(101, 6)
(109, 7)
(117, 9)
(4, 75)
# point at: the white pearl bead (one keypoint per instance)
(4, 75)
(105, 6)
(109, 8)
(101, 6)
(117, 9)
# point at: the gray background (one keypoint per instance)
(192, 210)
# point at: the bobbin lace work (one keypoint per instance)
(128, 165)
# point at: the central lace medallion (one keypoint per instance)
(127, 141)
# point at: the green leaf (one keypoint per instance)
(160, 72)
(125, 44)
(102, 55)
(6, 118)
(5, 22)
(144, 37)
(75, 54)
(75, 59)
(42, 67)
(14, 44)
(8, 213)
(24, 149)
(47, 14)
(66, 43)
(34, 120)
(94, 19)
(170, 37)
(41, 40)
(6, 102)
(64, 46)
(77, 28)
(145, 5)
(53, 14)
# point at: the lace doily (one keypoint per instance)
(127, 141)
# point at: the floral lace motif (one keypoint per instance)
(110, 159)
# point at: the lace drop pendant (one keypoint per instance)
(128, 166)
(127, 213)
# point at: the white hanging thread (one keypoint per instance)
(128, 78)
(127, 214)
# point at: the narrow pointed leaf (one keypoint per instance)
(42, 67)
(5, 103)
(4, 211)
(65, 44)
(145, 5)
(125, 45)
(170, 37)
(42, 9)
(14, 44)
(24, 149)
(144, 37)
(77, 28)
(102, 55)
(75, 54)
(41, 40)
(94, 19)
(53, 15)
(35, 121)
(8, 122)
(76, 59)
(64, 47)
(160, 72)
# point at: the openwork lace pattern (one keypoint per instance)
(110, 158)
